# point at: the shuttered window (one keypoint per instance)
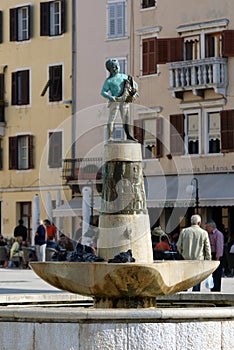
(52, 18)
(55, 149)
(177, 134)
(20, 88)
(228, 43)
(1, 27)
(55, 85)
(169, 50)
(21, 152)
(2, 107)
(149, 63)
(1, 154)
(149, 133)
(20, 23)
(116, 19)
(227, 130)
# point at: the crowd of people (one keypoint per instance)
(192, 243)
(46, 236)
(197, 243)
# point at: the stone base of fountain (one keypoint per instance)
(129, 285)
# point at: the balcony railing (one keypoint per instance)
(82, 169)
(198, 75)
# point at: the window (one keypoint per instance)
(214, 134)
(52, 17)
(21, 152)
(213, 46)
(192, 135)
(227, 131)
(55, 149)
(148, 3)
(184, 133)
(1, 27)
(123, 65)
(55, 83)
(160, 51)
(2, 107)
(116, 19)
(20, 88)
(1, 154)
(149, 132)
(20, 23)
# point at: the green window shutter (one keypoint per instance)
(44, 18)
(13, 153)
(13, 24)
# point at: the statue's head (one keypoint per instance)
(112, 65)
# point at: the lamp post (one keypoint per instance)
(194, 183)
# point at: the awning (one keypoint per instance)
(74, 208)
(172, 191)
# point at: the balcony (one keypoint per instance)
(198, 75)
(81, 171)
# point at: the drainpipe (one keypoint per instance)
(73, 126)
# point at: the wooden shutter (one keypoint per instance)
(228, 43)
(24, 78)
(63, 13)
(138, 130)
(1, 28)
(30, 22)
(45, 18)
(13, 152)
(149, 56)
(159, 133)
(55, 92)
(1, 155)
(14, 96)
(2, 107)
(55, 149)
(13, 24)
(177, 134)
(227, 130)
(169, 50)
(30, 152)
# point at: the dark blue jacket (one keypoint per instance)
(40, 238)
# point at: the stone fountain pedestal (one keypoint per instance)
(124, 221)
(124, 224)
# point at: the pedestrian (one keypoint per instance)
(40, 242)
(216, 238)
(21, 230)
(51, 230)
(194, 244)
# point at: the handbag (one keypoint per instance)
(209, 282)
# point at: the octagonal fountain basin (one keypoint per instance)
(129, 280)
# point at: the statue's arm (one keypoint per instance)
(105, 92)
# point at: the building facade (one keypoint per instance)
(182, 60)
(35, 111)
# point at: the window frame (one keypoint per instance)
(16, 24)
(53, 162)
(115, 18)
(20, 87)
(46, 18)
(207, 111)
(53, 80)
(145, 4)
(139, 134)
(186, 114)
(15, 152)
